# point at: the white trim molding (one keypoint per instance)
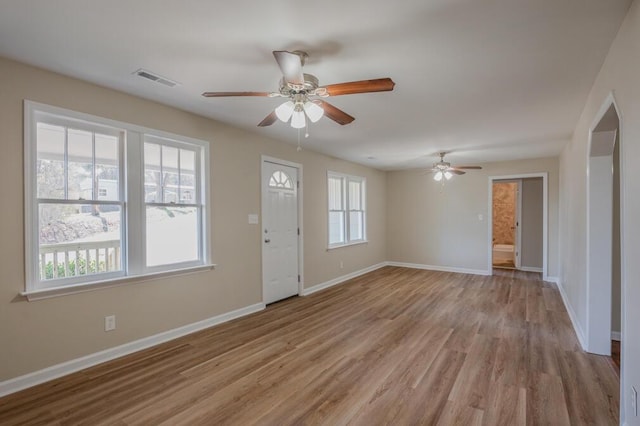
(37, 377)
(572, 316)
(341, 279)
(554, 280)
(441, 268)
(616, 335)
(532, 269)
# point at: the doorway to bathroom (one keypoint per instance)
(506, 224)
(518, 222)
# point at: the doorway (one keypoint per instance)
(528, 220)
(506, 202)
(604, 266)
(281, 246)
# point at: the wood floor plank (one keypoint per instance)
(396, 346)
(507, 406)
(546, 401)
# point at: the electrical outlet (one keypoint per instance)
(634, 401)
(110, 323)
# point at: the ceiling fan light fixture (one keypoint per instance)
(297, 120)
(313, 110)
(448, 175)
(438, 176)
(284, 111)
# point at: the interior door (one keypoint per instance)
(280, 234)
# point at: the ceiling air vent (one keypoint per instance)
(155, 77)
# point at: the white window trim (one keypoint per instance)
(132, 245)
(345, 195)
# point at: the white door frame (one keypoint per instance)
(266, 158)
(598, 327)
(545, 215)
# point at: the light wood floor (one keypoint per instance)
(396, 346)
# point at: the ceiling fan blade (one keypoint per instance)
(268, 120)
(291, 66)
(223, 94)
(456, 171)
(362, 86)
(469, 167)
(335, 114)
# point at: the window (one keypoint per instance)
(172, 212)
(280, 179)
(92, 216)
(347, 212)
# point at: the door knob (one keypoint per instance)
(267, 240)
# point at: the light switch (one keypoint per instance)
(253, 219)
(480, 217)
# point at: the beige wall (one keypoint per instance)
(431, 224)
(620, 75)
(35, 335)
(504, 212)
(532, 225)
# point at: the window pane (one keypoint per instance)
(170, 174)
(78, 239)
(356, 228)
(50, 163)
(187, 176)
(80, 166)
(107, 170)
(280, 179)
(172, 235)
(152, 181)
(336, 227)
(335, 193)
(355, 201)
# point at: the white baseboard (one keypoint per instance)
(572, 315)
(554, 280)
(440, 268)
(59, 370)
(530, 269)
(343, 278)
(615, 335)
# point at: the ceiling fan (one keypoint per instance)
(445, 169)
(303, 91)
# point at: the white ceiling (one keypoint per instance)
(487, 79)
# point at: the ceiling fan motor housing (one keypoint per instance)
(308, 88)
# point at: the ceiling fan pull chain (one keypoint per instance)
(299, 147)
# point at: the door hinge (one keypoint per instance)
(297, 184)
(298, 278)
(298, 231)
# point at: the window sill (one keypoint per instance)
(47, 293)
(353, 243)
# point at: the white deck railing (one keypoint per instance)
(72, 259)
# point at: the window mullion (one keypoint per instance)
(347, 231)
(94, 175)
(161, 175)
(179, 179)
(135, 219)
(65, 159)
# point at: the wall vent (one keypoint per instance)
(155, 77)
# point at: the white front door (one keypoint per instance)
(279, 231)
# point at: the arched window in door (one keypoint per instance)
(281, 180)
